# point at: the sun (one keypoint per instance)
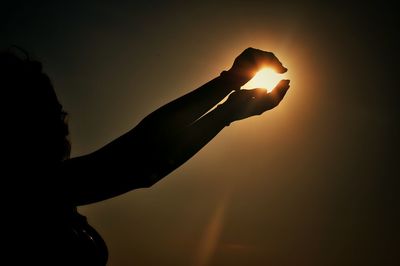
(265, 78)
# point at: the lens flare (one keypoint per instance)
(265, 78)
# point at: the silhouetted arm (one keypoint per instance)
(145, 154)
(190, 107)
(240, 105)
(171, 135)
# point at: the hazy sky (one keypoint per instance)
(313, 182)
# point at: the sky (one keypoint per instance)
(312, 182)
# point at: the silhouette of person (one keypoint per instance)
(44, 186)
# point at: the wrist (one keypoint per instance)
(229, 79)
(221, 115)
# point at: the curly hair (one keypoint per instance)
(32, 107)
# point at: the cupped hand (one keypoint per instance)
(245, 103)
(249, 62)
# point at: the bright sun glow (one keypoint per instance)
(266, 78)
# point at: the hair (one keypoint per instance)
(36, 121)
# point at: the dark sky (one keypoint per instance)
(312, 182)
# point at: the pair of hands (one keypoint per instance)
(245, 103)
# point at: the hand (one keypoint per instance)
(245, 103)
(248, 63)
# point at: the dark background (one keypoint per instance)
(312, 182)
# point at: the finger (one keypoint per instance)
(280, 90)
(257, 102)
(256, 93)
(248, 102)
(266, 59)
(244, 97)
(271, 60)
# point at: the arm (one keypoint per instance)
(186, 109)
(143, 155)
(240, 105)
(169, 136)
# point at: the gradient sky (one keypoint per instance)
(312, 182)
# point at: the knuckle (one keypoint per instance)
(249, 50)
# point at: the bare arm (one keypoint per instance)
(169, 136)
(142, 156)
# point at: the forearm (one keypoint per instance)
(184, 145)
(188, 108)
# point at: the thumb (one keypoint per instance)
(280, 90)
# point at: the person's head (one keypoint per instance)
(34, 126)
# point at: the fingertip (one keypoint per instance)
(282, 70)
(281, 89)
(283, 83)
(260, 90)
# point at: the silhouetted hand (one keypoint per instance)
(248, 63)
(245, 103)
